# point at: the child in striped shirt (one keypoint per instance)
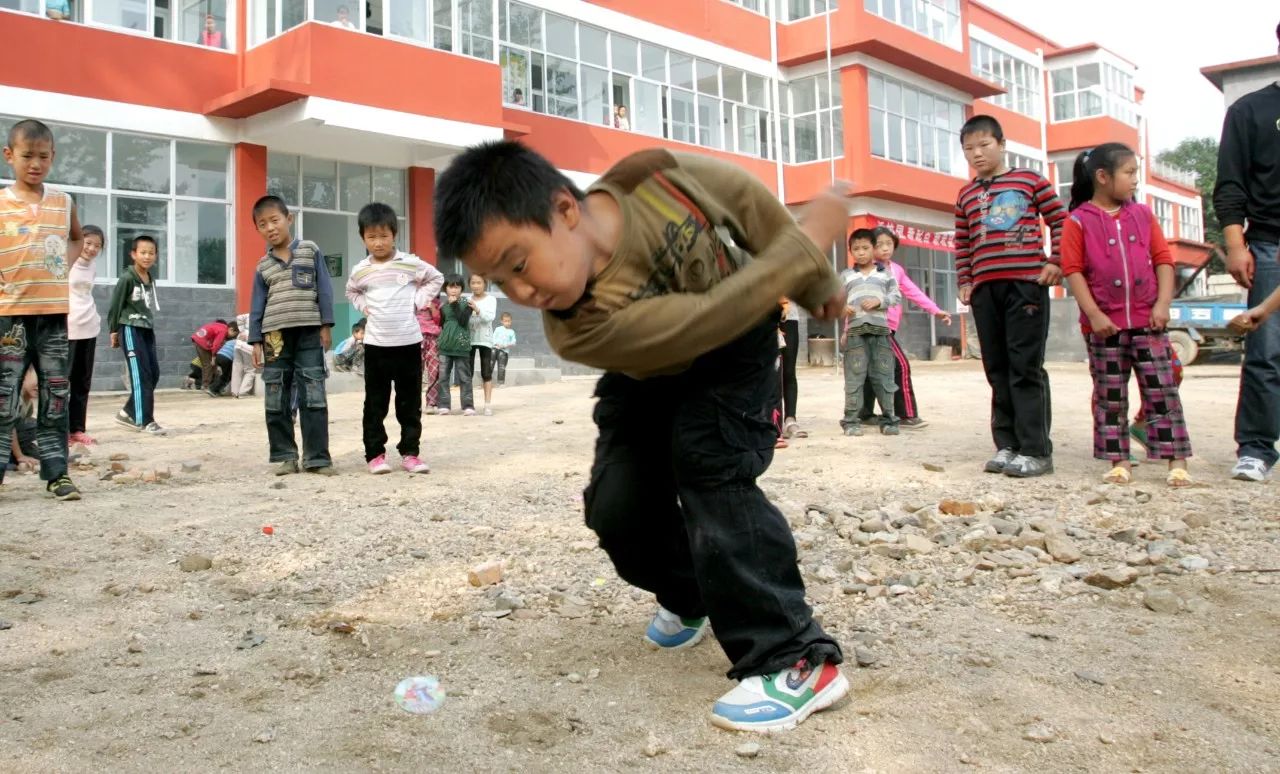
(1004, 277)
(870, 291)
(388, 287)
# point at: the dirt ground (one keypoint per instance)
(983, 650)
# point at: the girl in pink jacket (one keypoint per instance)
(904, 400)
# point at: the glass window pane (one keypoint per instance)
(878, 145)
(895, 138)
(892, 96)
(442, 26)
(561, 36)
(911, 103)
(647, 116)
(81, 156)
(138, 217)
(388, 188)
(282, 177)
(129, 14)
(202, 171)
(1090, 104)
(757, 91)
(595, 96)
(624, 54)
(806, 147)
(525, 25)
(140, 163)
(803, 97)
(594, 45)
(355, 187)
(654, 61)
(708, 78)
(562, 87)
(92, 211)
(748, 128)
(319, 184)
(682, 122)
(681, 70)
(1087, 75)
(875, 89)
(1064, 107)
(912, 155)
(709, 122)
(515, 76)
(409, 19)
(1062, 80)
(733, 85)
(200, 243)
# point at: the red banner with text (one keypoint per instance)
(918, 237)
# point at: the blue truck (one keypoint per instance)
(1198, 326)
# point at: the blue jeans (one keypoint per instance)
(1258, 410)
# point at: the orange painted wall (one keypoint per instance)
(422, 236)
(588, 148)
(250, 185)
(1017, 127)
(711, 20)
(909, 185)
(369, 70)
(74, 59)
(1088, 132)
(1006, 29)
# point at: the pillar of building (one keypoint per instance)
(251, 185)
(422, 197)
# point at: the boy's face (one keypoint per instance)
(144, 255)
(274, 226)
(358, 335)
(92, 246)
(884, 248)
(536, 267)
(380, 241)
(862, 251)
(453, 292)
(983, 152)
(506, 321)
(30, 159)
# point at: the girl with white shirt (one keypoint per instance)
(484, 310)
(83, 326)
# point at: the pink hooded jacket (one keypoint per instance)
(910, 292)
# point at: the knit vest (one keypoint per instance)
(292, 299)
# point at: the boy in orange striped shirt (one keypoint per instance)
(40, 239)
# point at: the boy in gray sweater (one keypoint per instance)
(870, 290)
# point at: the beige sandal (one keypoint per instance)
(1118, 475)
(1179, 478)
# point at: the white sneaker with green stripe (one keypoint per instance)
(668, 631)
(780, 701)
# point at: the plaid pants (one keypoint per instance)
(1149, 355)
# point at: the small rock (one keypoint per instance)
(150, 477)
(508, 601)
(873, 525)
(485, 574)
(135, 644)
(1174, 527)
(418, 553)
(250, 640)
(28, 598)
(933, 467)
(163, 474)
(5, 625)
(917, 544)
(265, 736)
(118, 457)
(1162, 601)
(891, 550)
(117, 467)
(278, 485)
(653, 747)
(1197, 520)
(574, 677)
(898, 590)
(747, 750)
(439, 517)
(1112, 579)
(865, 658)
(1040, 732)
(1193, 563)
(1129, 536)
(1106, 738)
(1004, 526)
(195, 563)
(1062, 548)
(1091, 677)
(957, 508)
(191, 466)
(826, 573)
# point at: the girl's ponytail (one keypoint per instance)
(1081, 181)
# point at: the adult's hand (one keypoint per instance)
(1240, 264)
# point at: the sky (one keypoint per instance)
(1169, 41)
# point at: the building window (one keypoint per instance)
(803, 9)
(1020, 79)
(814, 123)
(759, 6)
(935, 19)
(475, 23)
(1018, 161)
(429, 22)
(915, 126)
(1190, 223)
(1093, 89)
(555, 65)
(1163, 209)
(130, 184)
(199, 22)
(1064, 171)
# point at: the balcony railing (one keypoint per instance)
(1174, 174)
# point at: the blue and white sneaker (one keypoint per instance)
(779, 701)
(668, 631)
(1251, 469)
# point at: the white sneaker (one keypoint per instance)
(442, 411)
(154, 429)
(1250, 469)
(468, 412)
(779, 701)
(488, 412)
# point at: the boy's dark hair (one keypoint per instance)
(500, 180)
(139, 239)
(862, 235)
(88, 231)
(880, 231)
(505, 314)
(30, 130)
(359, 325)
(982, 123)
(1107, 156)
(270, 201)
(454, 279)
(233, 326)
(377, 214)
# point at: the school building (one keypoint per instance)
(172, 118)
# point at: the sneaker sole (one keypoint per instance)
(126, 423)
(694, 640)
(825, 698)
(64, 498)
(380, 471)
(1018, 474)
(993, 467)
(1251, 478)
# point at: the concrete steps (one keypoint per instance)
(523, 371)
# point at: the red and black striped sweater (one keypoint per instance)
(998, 233)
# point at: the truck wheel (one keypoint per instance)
(1184, 346)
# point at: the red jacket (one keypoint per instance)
(210, 336)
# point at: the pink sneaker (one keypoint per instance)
(378, 465)
(413, 464)
(83, 438)
(469, 412)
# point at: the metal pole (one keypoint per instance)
(831, 140)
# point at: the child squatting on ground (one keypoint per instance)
(40, 239)
(290, 317)
(870, 291)
(1120, 270)
(688, 325)
(389, 287)
(1004, 277)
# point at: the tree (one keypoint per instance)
(1200, 155)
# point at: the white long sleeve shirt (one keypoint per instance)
(482, 320)
(388, 293)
